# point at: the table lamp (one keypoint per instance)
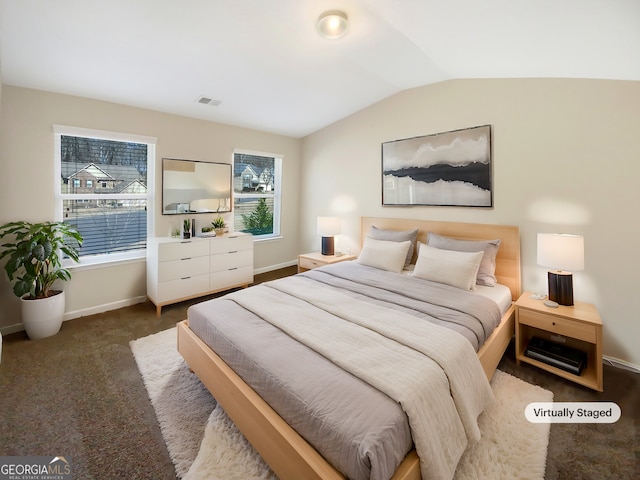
(327, 228)
(563, 254)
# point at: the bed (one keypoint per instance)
(282, 447)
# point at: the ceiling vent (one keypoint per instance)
(209, 101)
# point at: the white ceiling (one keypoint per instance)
(265, 62)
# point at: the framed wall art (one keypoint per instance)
(444, 169)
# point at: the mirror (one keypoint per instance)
(190, 186)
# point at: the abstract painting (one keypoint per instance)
(445, 169)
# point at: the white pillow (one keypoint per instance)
(396, 236)
(487, 270)
(383, 254)
(458, 269)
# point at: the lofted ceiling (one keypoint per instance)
(264, 61)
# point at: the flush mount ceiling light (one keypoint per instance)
(333, 24)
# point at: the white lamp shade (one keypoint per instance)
(328, 226)
(560, 251)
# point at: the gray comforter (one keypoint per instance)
(362, 431)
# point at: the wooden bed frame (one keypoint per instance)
(286, 452)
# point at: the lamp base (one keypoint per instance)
(327, 246)
(561, 287)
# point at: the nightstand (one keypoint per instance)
(309, 261)
(578, 326)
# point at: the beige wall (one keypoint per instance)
(565, 159)
(27, 184)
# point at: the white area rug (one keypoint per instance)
(205, 444)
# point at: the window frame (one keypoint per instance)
(277, 193)
(107, 258)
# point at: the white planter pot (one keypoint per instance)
(43, 317)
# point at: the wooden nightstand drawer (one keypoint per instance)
(308, 263)
(558, 325)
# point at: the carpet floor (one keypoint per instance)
(511, 447)
(80, 395)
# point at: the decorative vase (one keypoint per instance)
(43, 317)
(219, 231)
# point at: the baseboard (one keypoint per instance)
(271, 268)
(18, 327)
(9, 329)
(132, 301)
(103, 308)
(616, 362)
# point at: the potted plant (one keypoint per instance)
(219, 225)
(33, 265)
(186, 228)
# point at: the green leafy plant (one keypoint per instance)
(186, 225)
(33, 255)
(219, 223)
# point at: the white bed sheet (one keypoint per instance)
(498, 293)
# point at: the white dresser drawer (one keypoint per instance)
(235, 276)
(225, 261)
(182, 288)
(177, 269)
(231, 243)
(184, 249)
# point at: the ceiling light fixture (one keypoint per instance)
(333, 24)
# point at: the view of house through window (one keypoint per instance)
(257, 190)
(103, 189)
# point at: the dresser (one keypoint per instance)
(180, 269)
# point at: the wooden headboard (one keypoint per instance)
(507, 259)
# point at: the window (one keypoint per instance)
(111, 209)
(257, 189)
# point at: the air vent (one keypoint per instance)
(209, 101)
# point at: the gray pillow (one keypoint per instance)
(396, 236)
(486, 272)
